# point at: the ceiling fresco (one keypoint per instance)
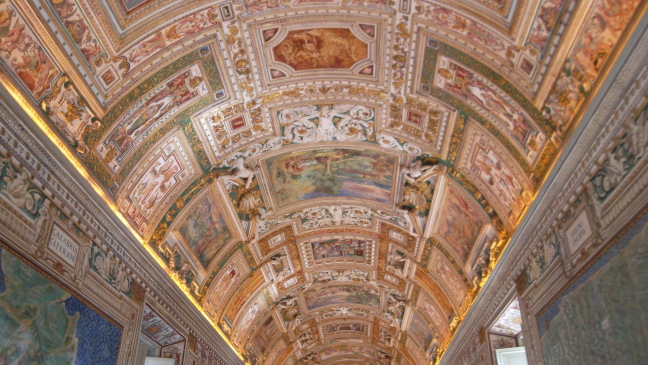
(330, 181)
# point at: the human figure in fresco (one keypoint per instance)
(185, 27)
(156, 184)
(148, 46)
(177, 92)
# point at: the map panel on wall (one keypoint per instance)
(601, 317)
(41, 323)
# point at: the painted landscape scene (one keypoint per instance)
(325, 173)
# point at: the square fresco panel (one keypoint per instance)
(326, 173)
(338, 294)
(459, 222)
(204, 231)
(350, 247)
(602, 317)
(41, 323)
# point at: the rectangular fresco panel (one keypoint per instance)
(333, 329)
(338, 294)
(149, 112)
(173, 33)
(459, 223)
(349, 247)
(419, 331)
(492, 103)
(41, 323)
(205, 230)
(345, 350)
(22, 54)
(78, 28)
(494, 172)
(602, 317)
(158, 180)
(324, 173)
(321, 48)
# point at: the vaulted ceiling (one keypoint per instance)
(330, 181)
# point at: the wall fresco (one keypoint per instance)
(607, 21)
(181, 29)
(544, 23)
(419, 331)
(345, 350)
(41, 323)
(265, 334)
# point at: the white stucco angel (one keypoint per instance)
(240, 174)
(336, 213)
(417, 172)
(286, 302)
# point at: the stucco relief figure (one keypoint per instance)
(279, 268)
(286, 302)
(396, 261)
(309, 359)
(240, 174)
(305, 340)
(251, 204)
(336, 214)
(417, 172)
(386, 337)
(43, 228)
(19, 192)
(109, 270)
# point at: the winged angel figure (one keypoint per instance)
(321, 123)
